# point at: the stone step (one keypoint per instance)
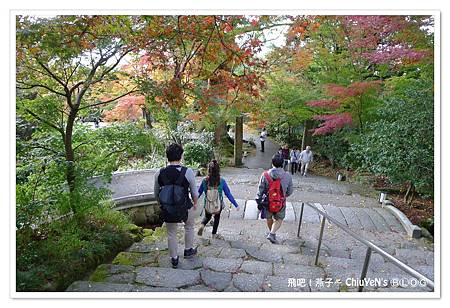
(351, 218)
(245, 261)
(335, 212)
(309, 215)
(290, 213)
(238, 214)
(251, 210)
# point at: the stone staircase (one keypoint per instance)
(245, 261)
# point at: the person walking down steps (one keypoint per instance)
(295, 158)
(172, 187)
(214, 187)
(306, 158)
(275, 185)
(262, 138)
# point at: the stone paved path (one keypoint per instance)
(244, 261)
(260, 159)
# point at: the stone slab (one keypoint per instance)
(251, 210)
(298, 259)
(414, 257)
(248, 282)
(265, 255)
(167, 277)
(209, 251)
(290, 213)
(309, 215)
(378, 220)
(232, 253)
(365, 219)
(215, 280)
(335, 213)
(234, 214)
(412, 230)
(257, 267)
(222, 265)
(351, 218)
(390, 219)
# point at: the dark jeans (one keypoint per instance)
(207, 218)
(285, 164)
(262, 146)
(294, 167)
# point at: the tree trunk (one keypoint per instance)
(70, 157)
(220, 132)
(148, 118)
(409, 195)
(238, 137)
(307, 135)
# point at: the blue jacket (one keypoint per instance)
(226, 190)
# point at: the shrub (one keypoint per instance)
(197, 154)
(52, 256)
(400, 145)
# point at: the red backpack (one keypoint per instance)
(275, 194)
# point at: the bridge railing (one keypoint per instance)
(130, 201)
(371, 247)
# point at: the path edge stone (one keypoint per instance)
(412, 230)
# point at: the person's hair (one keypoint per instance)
(174, 152)
(213, 173)
(277, 161)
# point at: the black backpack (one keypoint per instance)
(173, 200)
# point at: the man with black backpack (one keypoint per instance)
(274, 187)
(173, 184)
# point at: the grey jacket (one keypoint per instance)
(275, 173)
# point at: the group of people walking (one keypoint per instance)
(298, 161)
(177, 194)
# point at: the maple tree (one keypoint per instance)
(207, 69)
(60, 62)
(349, 56)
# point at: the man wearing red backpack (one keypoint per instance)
(274, 187)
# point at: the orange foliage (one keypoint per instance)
(128, 108)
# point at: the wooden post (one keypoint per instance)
(238, 136)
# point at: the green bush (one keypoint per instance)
(401, 144)
(335, 147)
(50, 257)
(197, 154)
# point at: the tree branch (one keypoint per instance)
(59, 129)
(109, 101)
(31, 86)
(53, 76)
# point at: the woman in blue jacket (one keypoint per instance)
(214, 180)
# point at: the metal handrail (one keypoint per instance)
(370, 248)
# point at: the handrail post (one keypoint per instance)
(300, 220)
(322, 226)
(364, 269)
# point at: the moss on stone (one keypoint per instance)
(148, 232)
(134, 229)
(100, 274)
(126, 258)
(157, 235)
